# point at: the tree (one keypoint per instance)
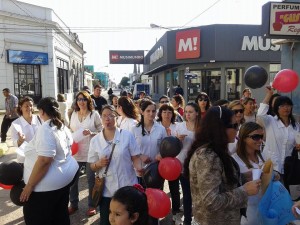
(124, 81)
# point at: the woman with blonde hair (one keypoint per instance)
(86, 122)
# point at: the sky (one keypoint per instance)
(104, 25)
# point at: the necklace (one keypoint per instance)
(82, 116)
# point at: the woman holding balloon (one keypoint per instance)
(85, 123)
(280, 129)
(166, 117)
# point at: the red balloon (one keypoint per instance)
(169, 168)
(74, 148)
(159, 203)
(286, 80)
(7, 187)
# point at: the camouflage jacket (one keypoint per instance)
(215, 202)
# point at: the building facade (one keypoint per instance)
(210, 58)
(40, 56)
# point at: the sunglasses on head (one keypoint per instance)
(233, 126)
(256, 137)
(236, 111)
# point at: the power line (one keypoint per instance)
(201, 13)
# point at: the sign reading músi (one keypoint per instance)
(25, 57)
(284, 18)
(126, 57)
(188, 44)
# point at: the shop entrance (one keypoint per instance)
(27, 81)
(233, 83)
(208, 81)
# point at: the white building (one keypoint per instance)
(39, 54)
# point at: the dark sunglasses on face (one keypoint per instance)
(81, 100)
(203, 99)
(236, 111)
(256, 137)
(162, 102)
(233, 126)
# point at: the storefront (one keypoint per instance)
(210, 58)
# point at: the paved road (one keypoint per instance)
(11, 214)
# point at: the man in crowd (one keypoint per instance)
(179, 90)
(11, 105)
(99, 100)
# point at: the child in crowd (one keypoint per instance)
(129, 206)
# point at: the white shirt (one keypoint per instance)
(172, 127)
(63, 108)
(91, 122)
(280, 140)
(54, 143)
(150, 143)
(25, 128)
(126, 123)
(187, 142)
(120, 171)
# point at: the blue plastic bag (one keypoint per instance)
(275, 206)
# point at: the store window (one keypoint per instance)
(274, 69)
(233, 83)
(62, 71)
(27, 81)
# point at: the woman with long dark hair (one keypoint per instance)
(128, 113)
(203, 102)
(214, 176)
(86, 121)
(49, 169)
(280, 129)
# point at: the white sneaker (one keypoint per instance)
(177, 219)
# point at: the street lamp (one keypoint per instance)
(152, 25)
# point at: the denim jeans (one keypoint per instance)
(74, 193)
(187, 200)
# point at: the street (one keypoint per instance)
(11, 214)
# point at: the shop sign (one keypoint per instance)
(188, 44)
(126, 57)
(257, 43)
(26, 57)
(283, 18)
(158, 54)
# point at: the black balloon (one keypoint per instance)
(15, 193)
(152, 177)
(11, 173)
(170, 147)
(255, 77)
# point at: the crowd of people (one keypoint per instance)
(222, 142)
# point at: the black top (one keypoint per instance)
(100, 101)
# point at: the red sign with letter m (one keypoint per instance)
(188, 44)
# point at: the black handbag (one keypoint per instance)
(291, 170)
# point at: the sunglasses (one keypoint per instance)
(81, 100)
(203, 99)
(233, 126)
(256, 137)
(236, 111)
(162, 102)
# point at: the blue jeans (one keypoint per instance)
(74, 193)
(187, 200)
